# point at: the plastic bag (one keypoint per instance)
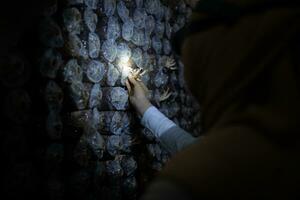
(124, 52)
(167, 46)
(95, 96)
(72, 20)
(50, 33)
(156, 44)
(72, 72)
(79, 95)
(50, 63)
(129, 165)
(92, 4)
(114, 145)
(137, 57)
(90, 19)
(138, 37)
(95, 71)
(127, 30)
(161, 79)
(76, 47)
(113, 29)
(149, 24)
(54, 96)
(113, 75)
(95, 141)
(114, 168)
(118, 97)
(109, 7)
(109, 49)
(139, 18)
(116, 125)
(168, 30)
(94, 45)
(159, 29)
(139, 3)
(123, 12)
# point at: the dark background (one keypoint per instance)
(22, 141)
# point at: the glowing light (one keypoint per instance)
(125, 65)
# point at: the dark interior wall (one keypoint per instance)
(20, 115)
(17, 17)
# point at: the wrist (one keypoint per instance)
(143, 107)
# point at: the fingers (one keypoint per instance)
(128, 87)
(132, 80)
(172, 63)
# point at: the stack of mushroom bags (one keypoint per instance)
(97, 147)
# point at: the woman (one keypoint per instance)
(241, 63)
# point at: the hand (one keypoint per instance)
(138, 93)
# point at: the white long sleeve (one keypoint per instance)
(156, 122)
(173, 138)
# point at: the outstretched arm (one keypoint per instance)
(173, 138)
